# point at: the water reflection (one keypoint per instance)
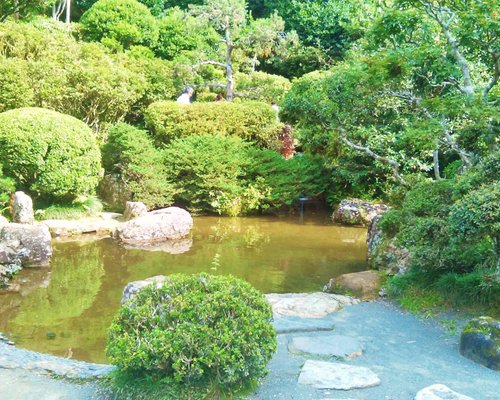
(70, 315)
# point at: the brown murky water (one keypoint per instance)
(65, 309)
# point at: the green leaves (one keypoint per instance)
(195, 330)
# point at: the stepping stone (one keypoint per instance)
(328, 375)
(440, 392)
(302, 325)
(337, 346)
(308, 305)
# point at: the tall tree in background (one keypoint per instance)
(255, 38)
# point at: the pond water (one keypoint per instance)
(66, 309)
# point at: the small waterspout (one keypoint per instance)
(302, 200)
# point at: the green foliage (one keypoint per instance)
(262, 87)
(247, 120)
(287, 180)
(15, 90)
(7, 186)
(23, 8)
(51, 155)
(180, 33)
(208, 173)
(129, 152)
(195, 330)
(126, 22)
(44, 66)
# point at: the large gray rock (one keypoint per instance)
(3, 220)
(357, 212)
(134, 209)
(365, 284)
(22, 209)
(164, 224)
(133, 288)
(480, 341)
(384, 253)
(336, 346)
(31, 243)
(440, 392)
(308, 305)
(328, 375)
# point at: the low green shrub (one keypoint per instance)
(126, 22)
(209, 174)
(129, 152)
(194, 330)
(81, 207)
(51, 155)
(251, 120)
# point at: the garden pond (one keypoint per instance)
(66, 309)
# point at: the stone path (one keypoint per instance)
(402, 358)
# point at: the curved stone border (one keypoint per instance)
(12, 357)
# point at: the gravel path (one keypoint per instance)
(407, 354)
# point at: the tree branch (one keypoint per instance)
(384, 160)
(210, 62)
(416, 102)
(438, 13)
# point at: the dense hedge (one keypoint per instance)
(129, 153)
(195, 330)
(51, 155)
(251, 120)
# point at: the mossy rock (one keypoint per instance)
(480, 341)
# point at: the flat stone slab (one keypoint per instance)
(440, 392)
(12, 358)
(328, 375)
(65, 228)
(301, 325)
(337, 346)
(308, 305)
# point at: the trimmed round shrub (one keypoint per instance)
(51, 155)
(194, 330)
(263, 87)
(130, 154)
(250, 120)
(125, 22)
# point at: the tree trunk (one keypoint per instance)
(435, 156)
(68, 11)
(229, 65)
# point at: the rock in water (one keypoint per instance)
(440, 392)
(134, 209)
(480, 341)
(165, 224)
(365, 284)
(308, 305)
(357, 212)
(133, 288)
(32, 244)
(22, 212)
(327, 375)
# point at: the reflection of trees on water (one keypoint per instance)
(76, 278)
